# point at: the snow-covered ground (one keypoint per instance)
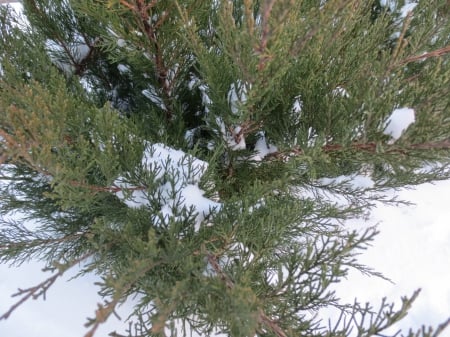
(412, 249)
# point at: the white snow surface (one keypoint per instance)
(398, 122)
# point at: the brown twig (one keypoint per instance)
(212, 259)
(142, 12)
(273, 325)
(402, 42)
(435, 53)
(262, 46)
(41, 289)
(104, 311)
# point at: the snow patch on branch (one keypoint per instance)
(398, 122)
(64, 57)
(178, 196)
(263, 148)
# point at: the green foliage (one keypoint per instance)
(115, 115)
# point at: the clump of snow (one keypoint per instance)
(65, 57)
(312, 137)
(406, 9)
(123, 69)
(340, 91)
(194, 83)
(398, 122)
(121, 43)
(262, 148)
(298, 104)
(178, 194)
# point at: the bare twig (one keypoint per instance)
(104, 311)
(435, 53)
(142, 12)
(41, 289)
(402, 42)
(261, 48)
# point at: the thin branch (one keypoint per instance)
(402, 42)
(441, 328)
(261, 48)
(273, 325)
(112, 189)
(141, 10)
(435, 53)
(104, 311)
(41, 289)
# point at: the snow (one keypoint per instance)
(121, 43)
(297, 106)
(178, 175)
(398, 122)
(123, 69)
(340, 92)
(406, 9)
(413, 250)
(59, 55)
(233, 138)
(262, 148)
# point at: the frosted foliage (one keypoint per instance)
(178, 195)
